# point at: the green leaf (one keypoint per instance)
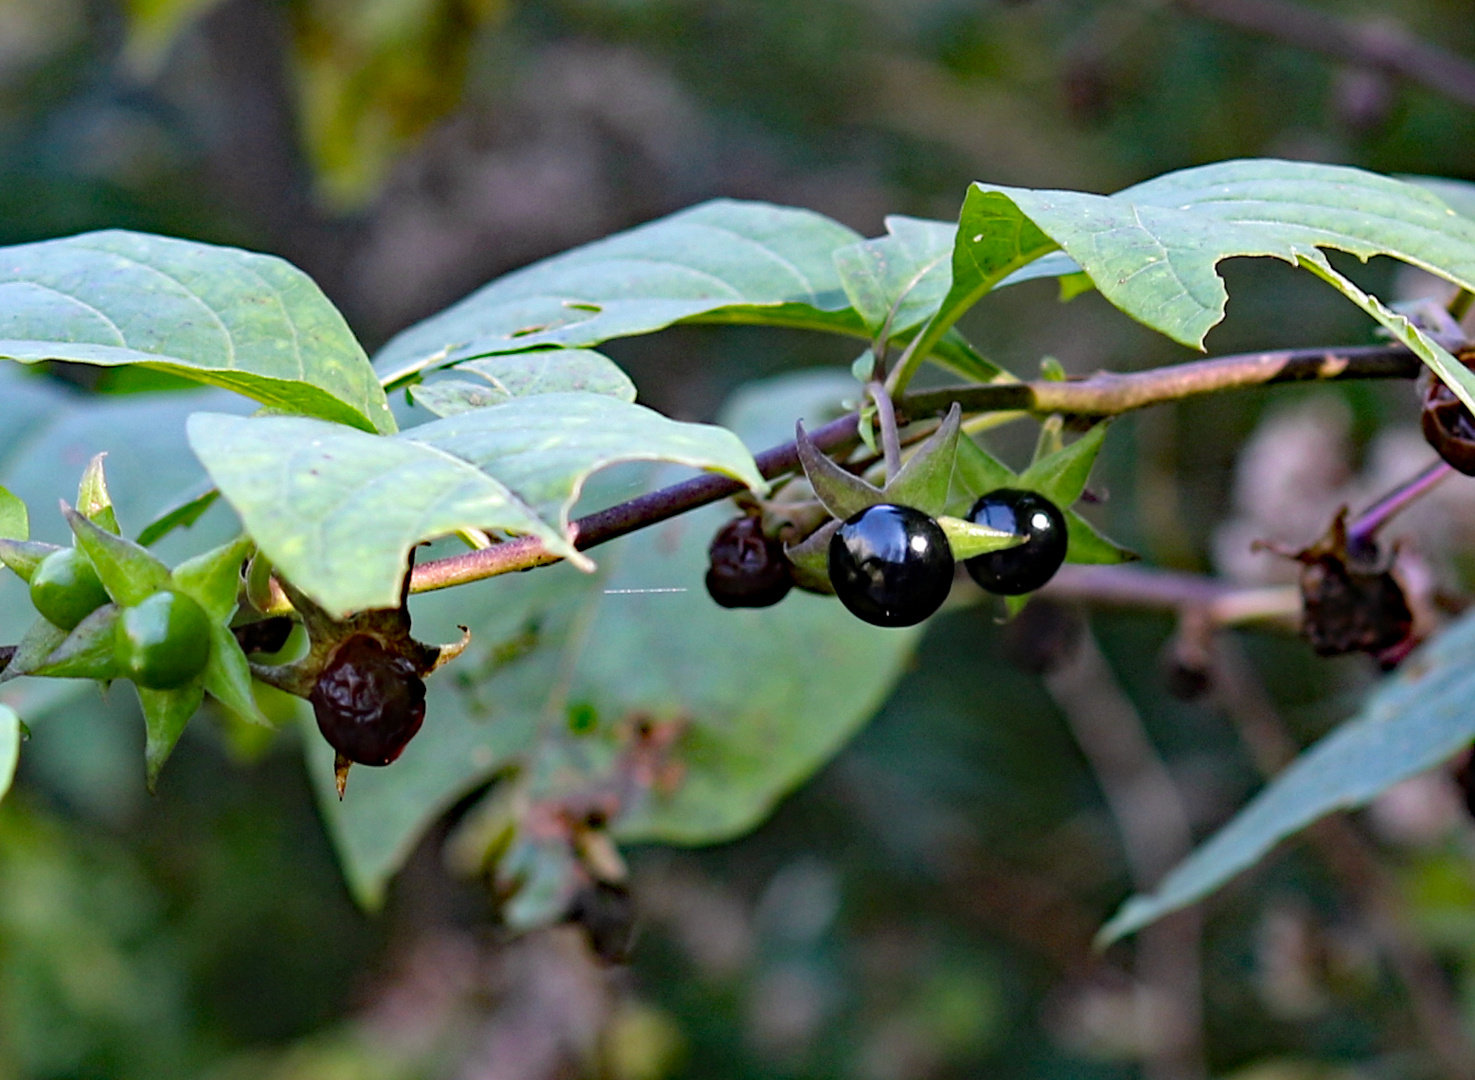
(128, 572)
(15, 521)
(1153, 249)
(337, 510)
(547, 371)
(10, 737)
(546, 446)
(1416, 719)
(722, 261)
(250, 323)
(180, 516)
(994, 239)
(93, 501)
(896, 281)
(165, 715)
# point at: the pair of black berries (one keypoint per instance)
(892, 565)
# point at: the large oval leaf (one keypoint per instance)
(337, 510)
(247, 322)
(545, 446)
(1153, 250)
(720, 261)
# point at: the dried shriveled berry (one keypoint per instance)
(1349, 602)
(1349, 609)
(748, 569)
(891, 565)
(1448, 426)
(1024, 568)
(369, 701)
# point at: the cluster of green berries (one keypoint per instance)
(160, 643)
(892, 565)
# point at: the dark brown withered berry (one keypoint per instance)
(748, 569)
(1349, 609)
(265, 635)
(1448, 426)
(369, 701)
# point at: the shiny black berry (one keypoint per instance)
(891, 565)
(747, 568)
(369, 701)
(1024, 568)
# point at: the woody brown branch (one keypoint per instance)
(1101, 395)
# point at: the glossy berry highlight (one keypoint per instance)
(369, 701)
(891, 565)
(162, 642)
(65, 588)
(1024, 568)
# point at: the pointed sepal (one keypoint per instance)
(23, 556)
(93, 501)
(924, 481)
(811, 559)
(341, 765)
(227, 676)
(165, 714)
(213, 579)
(1061, 476)
(841, 492)
(128, 572)
(968, 538)
(88, 652)
(35, 645)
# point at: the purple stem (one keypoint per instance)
(1363, 530)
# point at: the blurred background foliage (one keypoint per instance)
(924, 907)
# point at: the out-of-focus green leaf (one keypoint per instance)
(9, 747)
(247, 322)
(15, 522)
(1418, 718)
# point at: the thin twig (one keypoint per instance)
(1381, 44)
(1222, 603)
(1099, 395)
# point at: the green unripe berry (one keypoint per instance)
(164, 641)
(65, 588)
